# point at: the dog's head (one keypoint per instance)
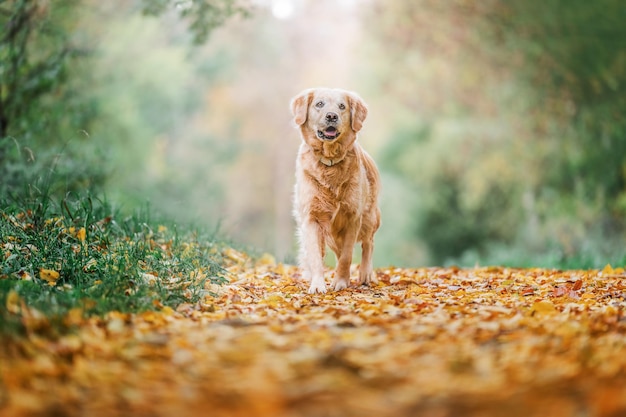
(328, 114)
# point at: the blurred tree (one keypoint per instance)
(510, 126)
(203, 15)
(26, 74)
(572, 55)
(46, 78)
(451, 134)
(41, 104)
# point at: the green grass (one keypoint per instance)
(105, 261)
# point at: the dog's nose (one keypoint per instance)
(331, 117)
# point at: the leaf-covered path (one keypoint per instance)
(431, 342)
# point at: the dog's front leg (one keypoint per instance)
(313, 244)
(344, 259)
(366, 271)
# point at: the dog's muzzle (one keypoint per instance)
(330, 133)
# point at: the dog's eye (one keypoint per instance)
(342, 106)
(319, 104)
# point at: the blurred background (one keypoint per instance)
(498, 126)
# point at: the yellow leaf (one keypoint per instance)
(608, 270)
(74, 317)
(49, 275)
(274, 301)
(291, 289)
(161, 229)
(13, 302)
(544, 307)
(79, 234)
(266, 260)
(235, 255)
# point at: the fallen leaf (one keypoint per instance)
(49, 275)
(577, 285)
(13, 302)
(235, 255)
(544, 307)
(266, 260)
(608, 270)
(261, 345)
(24, 275)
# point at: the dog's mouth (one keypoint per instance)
(330, 133)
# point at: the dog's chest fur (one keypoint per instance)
(339, 198)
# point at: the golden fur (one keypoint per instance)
(337, 186)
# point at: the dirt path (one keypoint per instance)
(428, 342)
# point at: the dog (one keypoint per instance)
(337, 185)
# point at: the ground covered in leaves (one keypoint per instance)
(430, 341)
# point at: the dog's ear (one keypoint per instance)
(358, 111)
(300, 106)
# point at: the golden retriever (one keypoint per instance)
(337, 183)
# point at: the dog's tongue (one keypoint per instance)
(330, 132)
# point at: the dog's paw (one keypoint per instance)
(367, 278)
(317, 286)
(339, 284)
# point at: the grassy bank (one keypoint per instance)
(78, 254)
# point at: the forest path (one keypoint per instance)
(430, 341)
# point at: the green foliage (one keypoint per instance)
(153, 122)
(40, 60)
(459, 204)
(524, 151)
(105, 262)
(574, 60)
(33, 57)
(204, 16)
(62, 93)
(449, 225)
(63, 247)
